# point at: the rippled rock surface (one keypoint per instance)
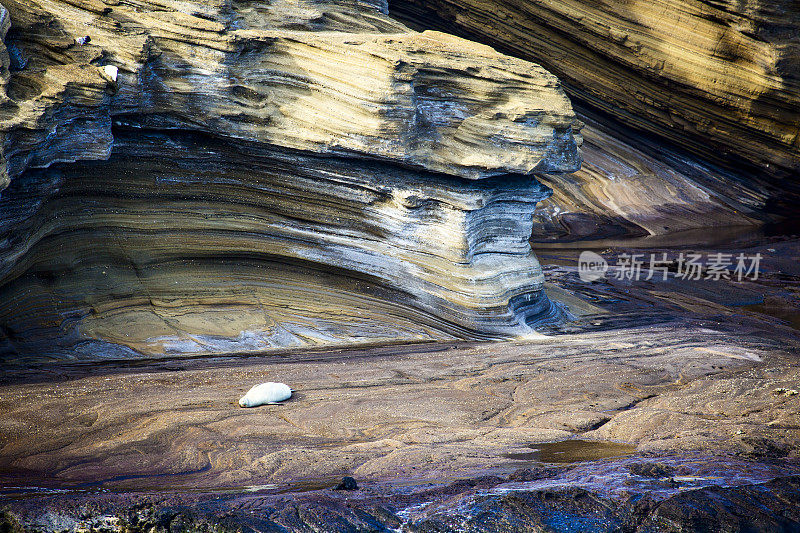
(382, 91)
(185, 244)
(721, 78)
(190, 178)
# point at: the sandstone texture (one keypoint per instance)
(377, 90)
(422, 413)
(215, 176)
(719, 78)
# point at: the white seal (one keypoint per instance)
(111, 71)
(266, 393)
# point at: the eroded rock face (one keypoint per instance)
(185, 244)
(426, 100)
(634, 185)
(720, 78)
(251, 176)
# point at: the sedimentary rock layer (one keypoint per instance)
(185, 244)
(268, 175)
(632, 184)
(426, 100)
(719, 77)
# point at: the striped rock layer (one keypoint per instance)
(249, 176)
(720, 78)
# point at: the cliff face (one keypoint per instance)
(631, 184)
(194, 177)
(717, 77)
(230, 176)
(426, 100)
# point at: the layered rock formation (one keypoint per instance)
(719, 78)
(634, 185)
(217, 176)
(425, 100)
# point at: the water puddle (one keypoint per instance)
(572, 451)
(786, 314)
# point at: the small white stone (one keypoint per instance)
(111, 71)
(266, 393)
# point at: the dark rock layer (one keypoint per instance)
(769, 507)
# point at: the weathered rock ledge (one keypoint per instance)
(226, 176)
(426, 100)
(235, 247)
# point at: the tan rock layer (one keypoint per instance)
(425, 100)
(720, 78)
(425, 413)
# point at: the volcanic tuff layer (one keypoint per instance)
(721, 78)
(633, 184)
(234, 247)
(253, 176)
(426, 100)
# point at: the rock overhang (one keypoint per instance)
(428, 100)
(308, 186)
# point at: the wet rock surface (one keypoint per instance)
(752, 508)
(477, 505)
(443, 436)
